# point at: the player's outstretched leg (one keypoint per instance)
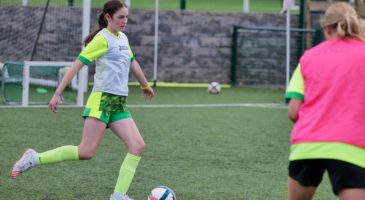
(25, 163)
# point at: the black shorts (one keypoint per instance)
(343, 175)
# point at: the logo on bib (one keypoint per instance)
(122, 48)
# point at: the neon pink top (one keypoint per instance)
(334, 94)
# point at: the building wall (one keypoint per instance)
(193, 46)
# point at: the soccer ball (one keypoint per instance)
(214, 88)
(162, 193)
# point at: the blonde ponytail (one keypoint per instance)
(343, 19)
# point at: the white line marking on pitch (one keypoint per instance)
(252, 105)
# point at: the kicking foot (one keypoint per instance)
(117, 196)
(25, 163)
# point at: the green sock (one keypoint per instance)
(126, 173)
(58, 155)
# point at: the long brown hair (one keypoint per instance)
(344, 20)
(110, 7)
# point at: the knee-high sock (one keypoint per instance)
(58, 155)
(126, 173)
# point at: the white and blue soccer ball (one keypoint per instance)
(162, 193)
(214, 88)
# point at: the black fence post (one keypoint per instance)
(234, 56)
(182, 4)
(70, 3)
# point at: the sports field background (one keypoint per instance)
(267, 6)
(223, 152)
(233, 145)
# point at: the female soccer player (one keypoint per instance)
(327, 93)
(106, 106)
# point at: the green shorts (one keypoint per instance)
(106, 107)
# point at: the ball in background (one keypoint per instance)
(214, 88)
(162, 193)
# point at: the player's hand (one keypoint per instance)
(148, 93)
(55, 102)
